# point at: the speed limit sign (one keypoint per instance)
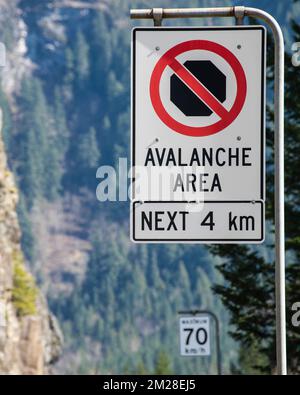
(194, 336)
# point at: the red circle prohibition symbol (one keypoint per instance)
(226, 116)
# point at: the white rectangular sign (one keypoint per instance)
(198, 126)
(194, 335)
(227, 222)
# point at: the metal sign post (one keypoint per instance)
(217, 326)
(158, 14)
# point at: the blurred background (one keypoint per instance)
(65, 99)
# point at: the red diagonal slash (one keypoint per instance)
(198, 88)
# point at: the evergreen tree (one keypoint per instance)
(162, 366)
(88, 151)
(41, 170)
(6, 122)
(185, 286)
(81, 53)
(69, 74)
(251, 359)
(249, 272)
(60, 123)
(102, 51)
(30, 171)
(53, 174)
(154, 278)
(28, 246)
(141, 369)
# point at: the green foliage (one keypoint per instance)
(88, 151)
(40, 173)
(251, 359)
(162, 366)
(81, 61)
(6, 121)
(69, 75)
(101, 41)
(129, 302)
(27, 240)
(141, 369)
(61, 138)
(24, 292)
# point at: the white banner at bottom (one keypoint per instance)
(202, 222)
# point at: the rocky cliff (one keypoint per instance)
(30, 339)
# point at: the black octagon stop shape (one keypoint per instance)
(186, 100)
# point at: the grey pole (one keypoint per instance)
(238, 13)
(218, 343)
(279, 187)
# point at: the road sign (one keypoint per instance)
(198, 127)
(194, 333)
